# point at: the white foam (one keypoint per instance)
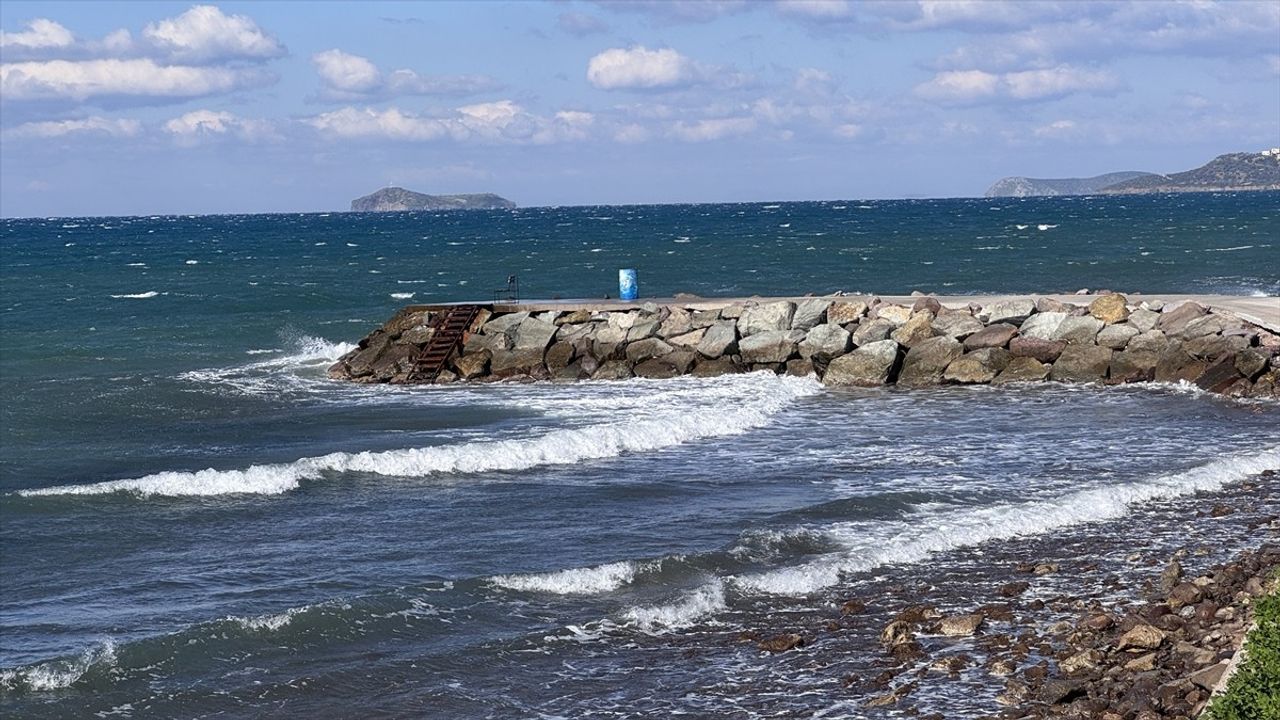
(58, 674)
(574, 581)
(270, 622)
(702, 602)
(1044, 226)
(760, 396)
(138, 296)
(871, 545)
(403, 296)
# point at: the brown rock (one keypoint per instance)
(979, 366)
(715, 367)
(781, 643)
(472, 365)
(1142, 637)
(1098, 622)
(1082, 661)
(1219, 376)
(917, 328)
(1014, 589)
(1176, 365)
(1133, 366)
(1046, 351)
(897, 633)
(961, 625)
(1251, 362)
(992, 336)
(843, 313)
(1208, 678)
(1022, 369)
(927, 360)
(852, 607)
(1142, 663)
(1081, 363)
(1109, 308)
(559, 355)
(1172, 322)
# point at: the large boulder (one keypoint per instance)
(1133, 366)
(472, 365)
(896, 314)
(1042, 326)
(1010, 311)
(927, 360)
(1109, 308)
(534, 334)
(918, 327)
(825, 342)
(559, 355)
(1251, 362)
(503, 323)
(1219, 376)
(810, 313)
(843, 312)
(720, 339)
(766, 317)
(1144, 319)
(1148, 341)
(491, 342)
(1078, 330)
(1082, 363)
(871, 331)
(770, 346)
(645, 326)
(979, 366)
(957, 324)
(992, 336)
(1046, 351)
(1022, 369)
(1116, 336)
(1174, 318)
(517, 361)
(1211, 347)
(867, 366)
(1177, 365)
(690, 339)
(679, 321)
(715, 367)
(642, 350)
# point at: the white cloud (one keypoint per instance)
(346, 72)
(82, 80)
(638, 67)
(345, 77)
(94, 125)
(502, 121)
(205, 34)
(712, 129)
(200, 124)
(41, 34)
(961, 87)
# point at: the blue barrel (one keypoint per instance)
(628, 285)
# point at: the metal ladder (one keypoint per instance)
(450, 329)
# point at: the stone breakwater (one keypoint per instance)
(845, 341)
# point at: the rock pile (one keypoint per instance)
(849, 342)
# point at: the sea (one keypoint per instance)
(196, 523)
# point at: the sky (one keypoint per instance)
(127, 108)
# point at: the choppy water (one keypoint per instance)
(195, 522)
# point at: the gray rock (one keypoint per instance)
(1219, 375)
(810, 313)
(896, 314)
(1045, 305)
(1078, 330)
(1204, 325)
(577, 317)
(825, 342)
(1042, 326)
(1175, 317)
(925, 363)
(1251, 363)
(1022, 369)
(720, 339)
(518, 361)
(485, 342)
(957, 324)
(1116, 336)
(689, 339)
(731, 312)
(472, 365)
(656, 368)
(1210, 347)
(800, 368)
(1011, 311)
(559, 355)
(704, 318)
(992, 336)
(612, 370)
(503, 323)
(534, 334)
(679, 322)
(1144, 319)
(843, 313)
(872, 331)
(644, 327)
(1149, 341)
(766, 317)
(1082, 363)
(1176, 365)
(1046, 351)
(418, 335)
(867, 366)
(642, 350)
(979, 366)
(769, 346)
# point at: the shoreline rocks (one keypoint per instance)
(846, 343)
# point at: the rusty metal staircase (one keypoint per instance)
(450, 330)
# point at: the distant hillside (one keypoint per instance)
(1025, 187)
(1234, 171)
(392, 199)
(1231, 172)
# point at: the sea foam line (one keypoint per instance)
(573, 581)
(763, 395)
(916, 539)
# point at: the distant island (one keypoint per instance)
(392, 199)
(1230, 172)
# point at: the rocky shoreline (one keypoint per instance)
(844, 341)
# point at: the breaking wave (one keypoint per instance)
(574, 581)
(759, 397)
(700, 603)
(868, 546)
(58, 674)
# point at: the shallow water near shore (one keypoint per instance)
(195, 521)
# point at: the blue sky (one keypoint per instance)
(155, 107)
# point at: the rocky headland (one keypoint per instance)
(1233, 172)
(396, 199)
(843, 340)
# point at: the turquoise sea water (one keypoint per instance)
(195, 522)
